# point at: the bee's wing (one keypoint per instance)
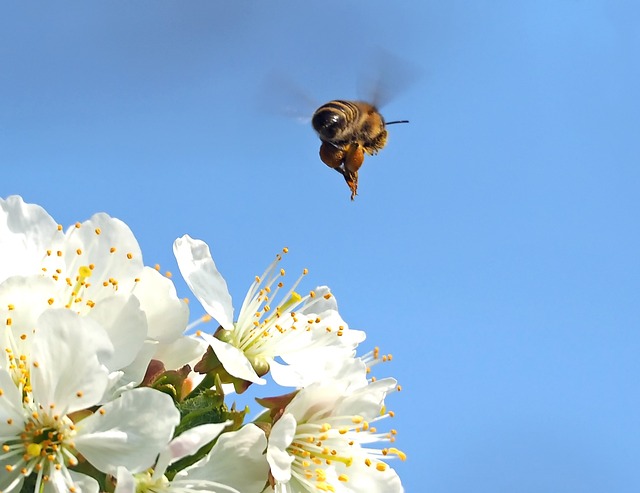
(385, 78)
(279, 95)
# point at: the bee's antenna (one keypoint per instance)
(397, 121)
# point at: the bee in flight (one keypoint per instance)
(348, 130)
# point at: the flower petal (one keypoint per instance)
(129, 431)
(233, 360)
(182, 351)
(26, 233)
(167, 315)
(126, 326)
(110, 247)
(237, 460)
(11, 409)
(280, 438)
(126, 483)
(67, 373)
(84, 483)
(188, 443)
(201, 275)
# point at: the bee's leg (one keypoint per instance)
(373, 146)
(352, 162)
(332, 156)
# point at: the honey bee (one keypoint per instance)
(348, 130)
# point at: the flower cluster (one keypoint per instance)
(105, 387)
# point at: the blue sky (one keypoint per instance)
(493, 248)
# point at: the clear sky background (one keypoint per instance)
(494, 248)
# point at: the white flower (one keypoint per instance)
(320, 441)
(45, 394)
(94, 269)
(306, 332)
(235, 464)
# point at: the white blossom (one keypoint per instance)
(306, 332)
(46, 394)
(322, 440)
(95, 269)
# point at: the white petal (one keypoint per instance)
(167, 315)
(319, 304)
(233, 360)
(26, 233)
(289, 375)
(66, 368)
(318, 366)
(188, 443)
(237, 460)
(201, 275)
(109, 245)
(280, 438)
(135, 372)
(318, 399)
(29, 297)
(84, 483)
(366, 479)
(366, 401)
(11, 417)
(126, 326)
(180, 352)
(125, 481)
(56, 482)
(129, 431)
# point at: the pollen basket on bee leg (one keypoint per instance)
(331, 155)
